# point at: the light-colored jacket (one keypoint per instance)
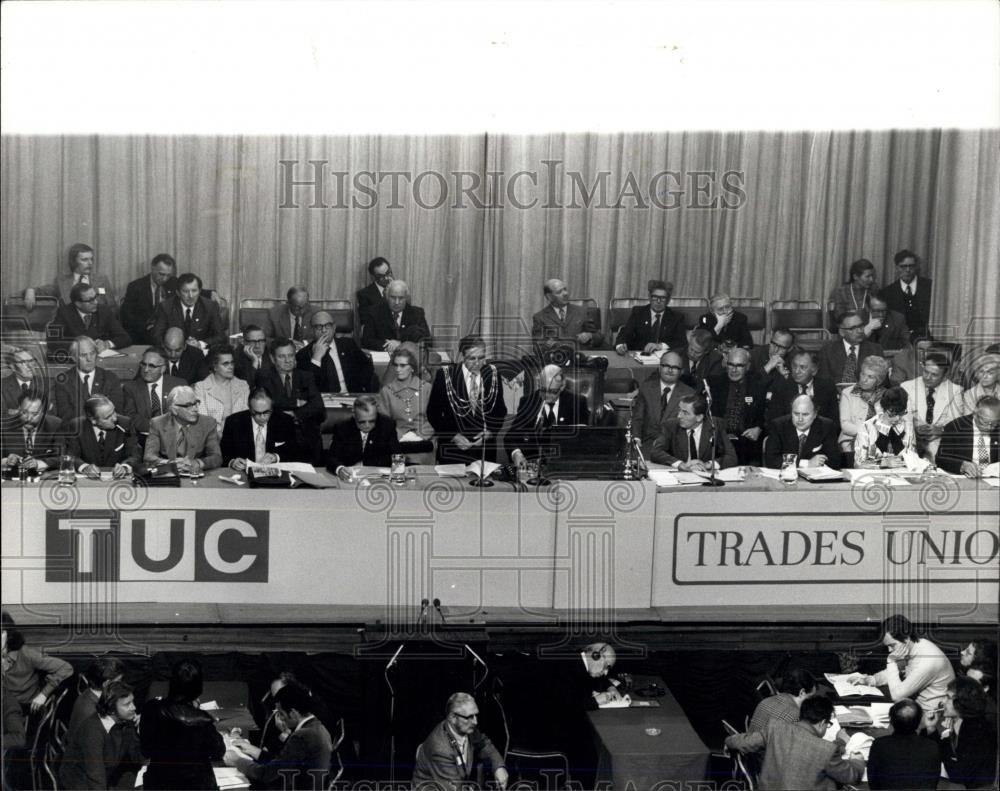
(853, 414)
(219, 401)
(868, 434)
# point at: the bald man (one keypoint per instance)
(543, 415)
(805, 433)
(336, 362)
(659, 398)
(183, 360)
(738, 403)
(394, 321)
(561, 322)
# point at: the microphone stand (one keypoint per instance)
(482, 481)
(712, 480)
(392, 713)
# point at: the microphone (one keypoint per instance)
(475, 656)
(424, 604)
(395, 656)
(437, 606)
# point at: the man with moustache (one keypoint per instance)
(33, 439)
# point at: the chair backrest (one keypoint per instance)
(753, 308)
(619, 309)
(342, 311)
(691, 308)
(588, 383)
(38, 319)
(593, 311)
(255, 311)
(799, 316)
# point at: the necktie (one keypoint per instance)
(187, 322)
(173, 369)
(477, 389)
(297, 333)
(548, 419)
(86, 321)
(154, 402)
(692, 448)
(24, 387)
(159, 295)
(562, 314)
(802, 389)
(851, 366)
(654, 333)
(802, 444)
(182, 443)
(929, 415)
(983, 451)
(364, 442)
(101, 435)
(100, 444)
(86, 383)
(334, 378)
(259, 444)
(288, 385)
(908, 290)
(398, 317)
(664, 398)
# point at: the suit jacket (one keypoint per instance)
(796, 758)
(440, 767)
(357, 366)
(735, 331)
(67, 325)
(381, 327)
(783, 437)
(783, 391)
(345, 444)
(206, 323)
(833, 358)
(916, 310)
(447, 424)
(279, 321)
(136, 400)
(711, 365)
(956, 445)
(240, 429)
(48, 444)
(137, 309)
(903, 762)
(759, 355)
(755, 400)
(647, 412)
(63, 284)
(545, 325)
(120, 446)
(367, 298)
(304, 757)
(192, 367)
(303, 388)
(971, 758)
(638, 328)
(70, 394)
(525, 433)
(894, 333)
(202, 441)
(672, 445)
(244, 365)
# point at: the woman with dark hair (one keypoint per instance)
(29, 675)
(883, 440)
(220, 394)
(968, 738)
(180, 739)
(104, 751)
(856, 292)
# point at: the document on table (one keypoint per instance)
(107, 353)
(411, 436)
(845, 689)
(822, 473)
(450, 470)
(283, 466)
(992, 470)
(315, 479)
(621, 703)
(647, 359)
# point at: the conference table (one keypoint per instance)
(648, 743)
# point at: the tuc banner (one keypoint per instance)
(156, 545)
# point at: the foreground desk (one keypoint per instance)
(639, 747)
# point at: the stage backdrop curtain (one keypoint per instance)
(776, 215)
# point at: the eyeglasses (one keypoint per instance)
(187, 406)
(659, 297)
(328, 326)
(736, 365)
(151, 365)
(670, 367)
(264, 413)
(783, 347)
(254, 340)
(853, 327)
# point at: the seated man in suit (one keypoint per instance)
(33, 437)
(99, 440)
(84, 316)
(337, 363)
(183, 361)
(702, 360)
(74, 386)
(904, 759)
(366, 439)
(260, 434)
(196, 315)
(542, 413)
(804, 433)
(304, 759)
(934, 400)
(652, 327)
(886, 327)
(804, 381)
(26, 377)
(251, 356)
(659, 398)
(840, 358)
(971, 442)
(380, 271)
(183, 435)
(81, 270)
(291, 320)
(142, 296)
(910, 294)
(738, 404)
(143, 397)
(295, 394)
(561, 322)
(770, 363)
(728, 326)
(687, 443)
(394, 320)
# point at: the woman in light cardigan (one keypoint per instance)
(860, 402)
(220, 393)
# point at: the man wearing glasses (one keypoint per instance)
(291, 319)
(738, 405)
(797, 755)
(910, 294)
(336, 362)
(367, 439)
(259, 435)
(252, 356)
(183, 435)
(803, 367)
(394, 320)
(971, 443)
(840, 359)
(144, 397)
(84, 316)
(380, 271)
(447, 759)
(659, 398)
(770, 363)
(652, 327)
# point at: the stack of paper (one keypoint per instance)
(853, 716)
(823, 473)
(880, 714)
(450, 470)
(621, 703)
(648, 359)
(230, 777)
(663, 477)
